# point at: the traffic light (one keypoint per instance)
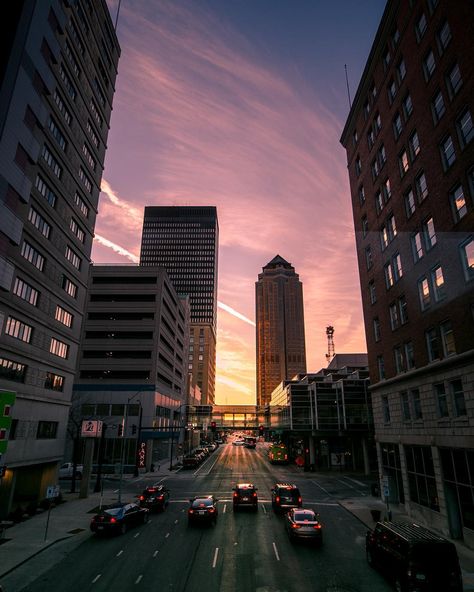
(213, 426)
(120, 430)
(134, 429)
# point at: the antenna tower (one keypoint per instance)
(331, 353)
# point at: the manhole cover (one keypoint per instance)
(76, 530)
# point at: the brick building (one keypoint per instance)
(410, 152)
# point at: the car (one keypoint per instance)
(117, 519)
(304, 524)
(238, 442)
(190, 461)
(66, 471)
(245, 495)
(202, 509)
(286, 496)
(155, 497)
(414, 558)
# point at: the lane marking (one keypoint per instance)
(176, 521)
(276, 552)
(119, 553)
(96, 578)
(264, 509)
(167, 535)
(115, 490)
(136, 535)
(155, 553)
(225, 506)
(137, 581)
(321, 487)
(216, 553)
(355, 481)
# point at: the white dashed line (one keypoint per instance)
(137, 581)
(225, 506)
(264, 509)
(96, 578)
(276, 552)
(167, 535)
(155, 553)
(176, 521)
(136, 535)
(119, 553)
(321, 487)
(216, 553)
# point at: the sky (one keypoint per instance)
(240, 104)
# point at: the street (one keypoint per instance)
(244, 551)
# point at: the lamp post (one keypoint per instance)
(172, 432)
(124, 432)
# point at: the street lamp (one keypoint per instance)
(172, 432)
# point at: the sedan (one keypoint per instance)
(156, 497)
(238, 442)
(118, 518)
(304, 525)
(202, 508)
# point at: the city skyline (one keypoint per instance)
(248, 121)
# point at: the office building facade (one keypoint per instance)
(133, 360)
(57, 84)
(184, 240)
(410, 150)
(280, 348)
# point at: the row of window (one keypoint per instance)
(16, 371)
(448, 397)
(22, 331)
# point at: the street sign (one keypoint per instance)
(385, 486)
(52, 491)
(91, 428)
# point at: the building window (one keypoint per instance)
(361, 195)
(377, 123)
(77, 230)
(457, 394)
(421, 187)
(374, 167)
(372, 293)
(365, 226)
(397, 126)
(82, 205)
(444, 37)
(10, 370)
(414, 143)
(368, 257)
(32, 255)
(379, 202)
(370, 138)
(385, 409)
(441, 399)
(409, 355)
(407, 107)
(424, 293)
(454, 81)
(399, 365)
(438, 107)
(47, 430)
(392, 91)
(18, 330)
(465, 128)
(448, 153)
(393, 313)
(377, 329)
(69, 86)
(45, 190)
(387, 190)
(63, 316)
(389, 279)
(85, 180)
(397, 267)
(381, 367)
(458, 203)
(57, 134)
(51, 162)
(358, 166)
(401, 71)
(395, 37)
(54, 382)
(26, 292)
(410, 203)
(405, 403)
(429, 65)
(92, 134)
(366, 109)
(88, 154)
(416, 402)
(62, 107)
(58, 348)
(447, 339)
(420, 27)
(386, 58)
(69, 287)
(39, 222)
(432, 344)
(73, 258)
(437, 281)
(403, 163)
(429, 234)
(467, 258)
(381, 156)
(421, 476)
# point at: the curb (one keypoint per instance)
(23, 561)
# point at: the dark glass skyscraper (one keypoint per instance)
(281, 352)
(184, 240)
(58, 67)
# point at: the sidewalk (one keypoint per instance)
(68, 520)
(361, 508)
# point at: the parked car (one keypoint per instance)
(414, 558)
(66, 470)
(238, 442)
(202, 508)
(155, 497)
(245, 495)
(190, 461)
(286, 496)
(304, 525)
(117, 519)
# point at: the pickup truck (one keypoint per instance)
(66, 470)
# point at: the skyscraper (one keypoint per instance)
(57, 74)
(184, 240)
(281, 352)
(409, 139)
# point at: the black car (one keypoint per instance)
(304, 525)
(155, 497)
(118, 518)
(245, 495)
(286, 496)
(202, 508)
(191, 461)
(414, 558)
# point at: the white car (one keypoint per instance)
(66, 470)
(238, 442)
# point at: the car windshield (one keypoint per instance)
(434, 554)
(289, 494)
(200, 503)
(304, 517)
(245, 490)
(113, 511)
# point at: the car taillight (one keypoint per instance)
(142, 497)
(254, 494)
(113, 520)
(212, 510)
(286, 457)
(294, 525)
(277, 499)
(190, 511)
(236, 494)
(160, 497)
(318, 526)
(300, 500)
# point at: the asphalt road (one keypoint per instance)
(243, 552)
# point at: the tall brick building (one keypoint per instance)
(410, 151)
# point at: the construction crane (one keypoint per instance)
(331, 353)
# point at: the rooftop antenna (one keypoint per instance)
(347, 84)
(117, 15)
(331, 353)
